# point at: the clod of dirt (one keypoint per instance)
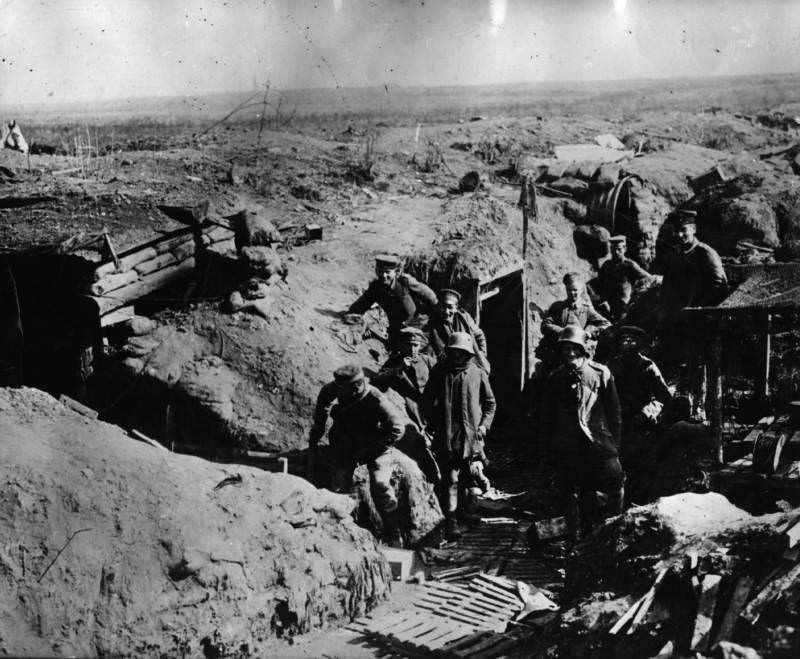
(109, 546)
(470, 182)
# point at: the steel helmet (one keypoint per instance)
(461, 341)
(574, 334)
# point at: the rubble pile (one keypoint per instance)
(690, 572)
(110, 546)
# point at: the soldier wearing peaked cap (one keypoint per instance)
(365, 427)
(407, 371)
(458, 405)
(400, 296)
(694, 277)
(619, 278)
(448, 318)
(581, 427)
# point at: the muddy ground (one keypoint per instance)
(314, 174)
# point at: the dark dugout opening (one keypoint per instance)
(500, 312)
(50, 332)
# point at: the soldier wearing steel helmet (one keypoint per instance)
(365, 426)
(399, 295)
(581, 430)
(458, 405)
(449, 317)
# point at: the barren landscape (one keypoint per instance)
(267, 565)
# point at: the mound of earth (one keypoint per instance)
(618, 563)
(112, 547)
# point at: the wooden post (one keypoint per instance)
(766, 348)
(715, 390)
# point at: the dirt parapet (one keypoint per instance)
(114, 547)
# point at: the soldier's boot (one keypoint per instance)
(391, 529)
(468, 511)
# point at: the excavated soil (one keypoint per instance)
(112, 547)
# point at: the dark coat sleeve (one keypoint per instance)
(423, 296)
(387, 375)
(428, 405)
(595, 321)
(488, 402)
(551, 323)
(391, 420)
(657, 386)
(613, 409)
(325, 400)
(364, 301)
(713, 273)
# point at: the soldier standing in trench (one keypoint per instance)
(618, 279)
(400, 296)
(365, 426)
(642, 395)
(575, 309)
(694, 277)
(581, 432)
(448, 318)
(459, 405)
(407, 372)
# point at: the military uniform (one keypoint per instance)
(617, 282)
(440, 331)
(401, 302)
(581, 424)
(408, 380)
(363, 430)
(693, 277)
(581, 313)
(456, 402)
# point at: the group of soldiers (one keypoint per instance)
(590, 415)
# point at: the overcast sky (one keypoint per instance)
(65, 50)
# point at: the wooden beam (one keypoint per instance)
(766, 347)
(715, 393)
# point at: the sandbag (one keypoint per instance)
(263, 262)
(251, 229)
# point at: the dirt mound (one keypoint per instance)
(114, 547)
(620, 560)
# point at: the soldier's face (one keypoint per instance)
(573, 291)
(412, 349)
(628, 344)
(686, 234)
(458, 357)
(571, 355)
(618, 251)
(386, 275)
(448, 307)
(347, 390)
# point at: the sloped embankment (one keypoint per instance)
(109, 546)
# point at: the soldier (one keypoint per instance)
(365, 426)
(694, 277)
(642, 394)
(407, 372)
(574, 310)
(398, 294)
(448, 318)
(619, 277)
(581, 424)
(459, 406)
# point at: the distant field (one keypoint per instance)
(409, 105)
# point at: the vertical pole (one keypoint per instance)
(715, 391)
(766, 348)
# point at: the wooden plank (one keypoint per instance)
(113, 281)
(118, 316)
(80, 408)
(760, 427)
(143, 286)
(479, 615)
(147, 440)
(159, 262)
(385, 622)
(497, 593)
(449, 637)
(706, 605)
(741, 591)
(792, 535)
(647, 601)
(126, 262)
(771, 592)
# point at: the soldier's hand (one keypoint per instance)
(482, 432)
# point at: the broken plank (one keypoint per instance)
(741, 591)
(771, 592)
(706, 605)
(647, 601)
